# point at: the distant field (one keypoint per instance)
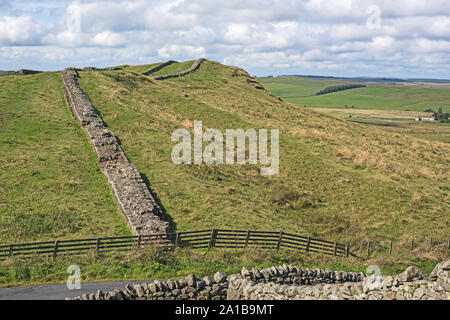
(375, 96)
(372, 105)
(295, 87)
(50, 184)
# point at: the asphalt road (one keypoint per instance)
(60, 291)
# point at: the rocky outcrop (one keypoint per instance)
(290, 283)
(157, 68)
(19, 72)
(135, 201)
(193, 68)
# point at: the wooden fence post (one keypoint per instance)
(177, 239)
(212, 242)
(347, 249)
(55, 250)
(139, 240)
(368, 249)
(448, 243)
(335, 248)
(97, 246)
(390, 248)
(247, 238)
(279, 240)
(412, 244)
(307, 244)
(10, 249)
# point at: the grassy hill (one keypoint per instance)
(338, 180)
(50, 184)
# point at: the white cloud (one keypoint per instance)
(291, 36)
(109, 39)
(181, 51)
(20, 30)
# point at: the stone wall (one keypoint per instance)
(409, 285)
(21, 72)
(135, 201)
(193, 68)
(290, 283)
(190, 288)
(157, 68)
(100, 69)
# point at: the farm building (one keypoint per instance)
(425, 118)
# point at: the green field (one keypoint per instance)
(409, 101)
(50, 184)
(295, 87)
(302, 91)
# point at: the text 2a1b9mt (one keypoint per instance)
(226, 309)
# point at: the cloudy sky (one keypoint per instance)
(403, 38)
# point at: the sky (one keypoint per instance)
(376, 38)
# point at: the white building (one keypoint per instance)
(425, 118)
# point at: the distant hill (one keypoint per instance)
(368, 79)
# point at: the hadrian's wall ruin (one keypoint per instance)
(291, 283)
(157, 68)
(193, 68)
(135, 201)
(19, 72)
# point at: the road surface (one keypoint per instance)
(60, 291)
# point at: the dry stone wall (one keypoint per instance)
(193, 68)
(20, 72)
(290, 283)
(190, 288)
(135, 201)
(157, 68)
(409, 285)
(100, 69)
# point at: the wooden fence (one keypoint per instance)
(367, 248)
(219, 238)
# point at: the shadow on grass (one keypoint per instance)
(164, 214)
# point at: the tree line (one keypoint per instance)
(441, 116)
(340, 88)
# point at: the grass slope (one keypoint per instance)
(50, 184)
(397, 186)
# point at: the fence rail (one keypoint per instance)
(219, 238)
(367, 248)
